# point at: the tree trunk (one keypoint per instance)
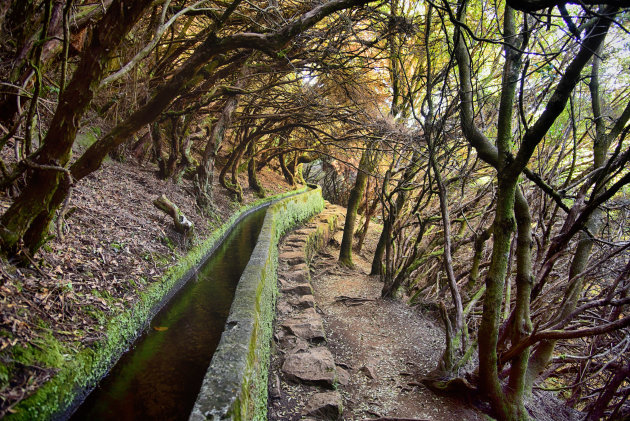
(521, 321)
(182, 224)
(597, 411)
(456, 333)
(235, 172)
(285, 171)
(390, 288)
(156, 132)
(234, 158)
(369, 213)
(356, 194)
(504, 222)
(252, 174)
(142, 147)
(204, 178)
(503, 227)
(480, 241)
(175, 140)
(377, 260)
(401, 198)
(57, 145)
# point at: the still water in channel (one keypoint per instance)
(159, 378)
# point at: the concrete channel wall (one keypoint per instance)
(235, 386)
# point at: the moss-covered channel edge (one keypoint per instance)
(235, 386)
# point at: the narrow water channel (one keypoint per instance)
(159, 378)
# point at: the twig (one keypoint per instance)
(395, 419)
(352, 301)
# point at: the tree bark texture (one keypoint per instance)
(401, 198)
(597, 411)
(204, 178)
(508, 173)
(57, 145)
(182, 224)
(356, 194)
(252, 174)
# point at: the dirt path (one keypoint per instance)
(385, 346)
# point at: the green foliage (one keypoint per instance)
(168, 242)
(4, 375)
(117, 247)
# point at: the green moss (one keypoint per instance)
(87, 139)
(47, 352)
(254, 311)
(285, 215)
(4, 376)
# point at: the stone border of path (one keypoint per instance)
(303, 375)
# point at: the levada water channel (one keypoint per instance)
(160, 377)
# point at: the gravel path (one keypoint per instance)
(385, 346)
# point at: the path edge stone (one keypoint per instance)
(306, 242)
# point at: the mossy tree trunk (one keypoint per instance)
(232, 165)
(252, 174)
(204, 177)
(295, 167)
(288, 175)
(480, 241)
(235, 168)
(379, 251)
(457, 325)
(401, 193)
(174, 142)
(508, 405)
(521, 326)
(356, 194)
(369, 213)
(34, 202)
(156, 134)
(454, 328)
(182, 224)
